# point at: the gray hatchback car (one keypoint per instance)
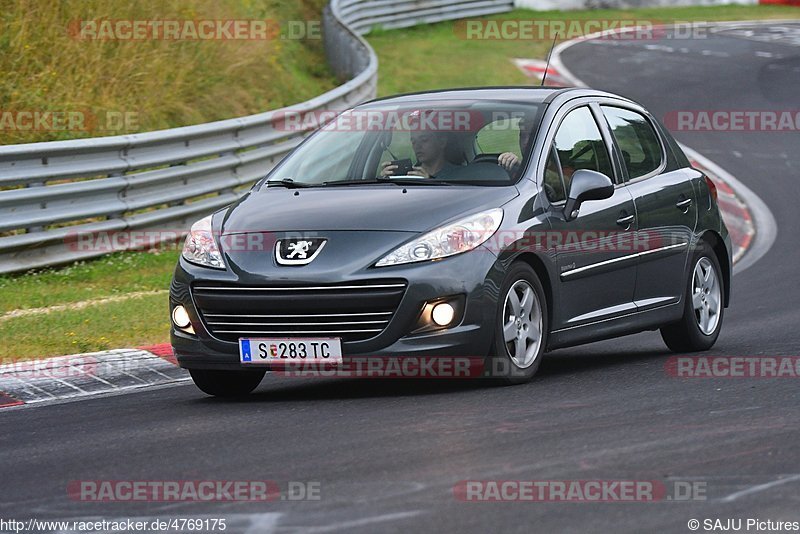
(491, 224)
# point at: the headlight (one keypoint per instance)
(455, 238)
(200, 246)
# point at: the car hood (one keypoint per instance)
(380, 207)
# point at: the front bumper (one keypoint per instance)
(476, 275)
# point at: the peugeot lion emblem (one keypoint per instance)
(301, 251)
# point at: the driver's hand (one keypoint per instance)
(387, 169)
(508, 160)
(419, 171)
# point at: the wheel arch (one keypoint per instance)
(715, 241)
(538, 265)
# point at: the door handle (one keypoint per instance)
(626, 221)
(684, 205)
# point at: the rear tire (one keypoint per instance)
(521, 327)
(226, 383)
(704, 306)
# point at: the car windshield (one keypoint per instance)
(429, 143)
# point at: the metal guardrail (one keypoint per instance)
(365, 15)
(164, 180)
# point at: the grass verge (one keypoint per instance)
(158, 83)
(109, 276)
(134, 322)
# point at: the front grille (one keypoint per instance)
(352, 311)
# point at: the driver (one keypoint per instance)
(430, 150)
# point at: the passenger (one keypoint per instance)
(510, 161)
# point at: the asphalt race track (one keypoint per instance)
(387, 455)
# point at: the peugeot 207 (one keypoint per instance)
(492, 224)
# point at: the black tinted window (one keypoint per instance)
(639, 144)
(579, 145)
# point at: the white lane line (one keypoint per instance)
(83, 382)
(761, 487)
(714, 53)
(764, 221)
(361, 522)
(156, 371)
(77, 397)
(263, 523)
(140, 379)
(26, 385)
(99, 379)
(73, 386)
(745, 409)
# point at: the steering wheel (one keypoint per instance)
(486, 158)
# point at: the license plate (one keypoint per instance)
(266, 351)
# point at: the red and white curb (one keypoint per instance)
(535, 68)
(82, 375)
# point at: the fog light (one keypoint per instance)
(180, 317)
(443, 313)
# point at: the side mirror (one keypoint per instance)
(586, 185)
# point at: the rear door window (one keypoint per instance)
(640, 147)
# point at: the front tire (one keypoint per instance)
(521, 327)
(226, 383)
(704, 306)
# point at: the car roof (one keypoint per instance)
(532, 94)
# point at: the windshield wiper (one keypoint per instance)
(289, 183)
(400, 180)
(411, 180)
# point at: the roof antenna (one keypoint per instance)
(547, 66)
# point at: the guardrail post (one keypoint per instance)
(123, 194)
(32, 229)
(228, 189)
